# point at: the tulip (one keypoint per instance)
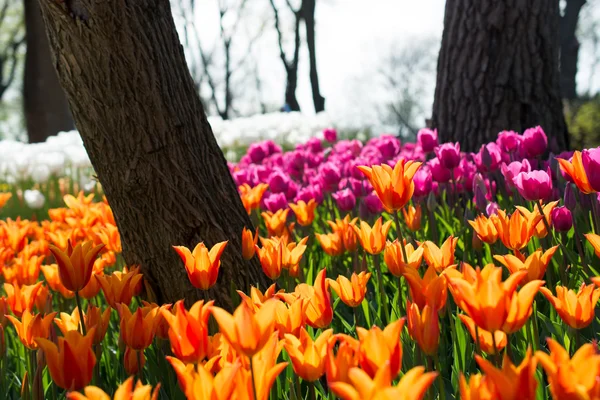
(534, 142)
(373, 239)
(430, 290)
(483, 337)
(330, 135)
(291, 256)
(246, 331)
(138, 328)
(562, 220)
(119, 287)
(539, 230)
(75, 265)
(351, 291)
(22, 298)
(202, 266)
(51, 276)
(275, 202)
(133, 361)
(485, 228)
(271, 257)
(290, 319)
(449, 155)
(345, 200)
(508, 141)
(493, 304)
(251, 196)
(378, 347)
(248, 243)
(265, 369)
(412, 386)
(427, 139)
(424, 327)
(338, 366)
(188, 330)
(319, 312)
(513, 169)
(395, 261)
(412, 217)
(71, 363)
(257, 298)
(439, 173)
(516, 231)
(571, 378)
(126, 391)
(331, 243)
(394, 187)
(343, 227)
(480, 387)
(275, 222)
(593, 239)
(512, 382)
(93, 318)
(440, 257)
(305, 212)
(32, 326)
(575, 309)
(577, 172)
(534, 185)
(308, 356)
(198, 381)
(535, 264)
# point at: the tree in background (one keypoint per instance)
(44, 102)
(12, 39)
(308, 8)
(569, 48)
(149, 141)
(498, 70)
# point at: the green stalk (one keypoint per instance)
(382, 297)
(438, 367)
(311, 389)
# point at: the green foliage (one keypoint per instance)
(583, 121)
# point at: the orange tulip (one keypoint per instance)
(575, 309)
(32, 326)
(319, 312)
(109, 235)
(126, 391)
(202, 266)
(343, 227)
(251, 196)
(516, 231)
(412, 217)
(119, 287)
(133, 361)
(352, 291)
(331, 243)
(572, 378)
(308, 356)
(594, 241)
(93, 318)
(305, 212)
(246, 331)
(595, 280)
(276, 222)
(199, 384)
(51, 274)
(512, 382)
(412, 386)
(248, 243)
(24, 271)
(431, 289)
(540, 230)
(395, 260)
(71, 363)
(378, 347)
(75, 265)
(485, 228)
(535, 264)
(290, 319)
(265, 368)
(257, 298)
(292, 254)
(424, 327)
(440, 257)
(271, 256)
(394, 187)
(188, 331)
(373, 239)
(138, 328)
(486, 342)
(93, 287)
(493, 304)
(575, 170)
(480, 387)
(4, 197)
(23, 298)
(338, 366)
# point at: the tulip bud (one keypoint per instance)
(569, 197)
(562, 220)
(431, 202)
(480, 200)
(491, 208)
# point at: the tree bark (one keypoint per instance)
(45, 105)
(309, 19)
(569, 49)
(143, 125)
(498, 70)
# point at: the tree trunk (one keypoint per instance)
(46, 108)
(309, 19)
(498, 70)
(290, 88)
(569, 49)
(142, 123)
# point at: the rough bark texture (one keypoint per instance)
(142, 123)
(309, 19)
(498, 70)
(46, 108)
(569, 48)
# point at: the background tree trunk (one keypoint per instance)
(569, 48)
(308, 6)
(46, 108)
(142, 123)
(498, 70)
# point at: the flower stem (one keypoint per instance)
(382, 297)
(139, 362)
(442, 388)
(81, 318)
(253, 380)
(401, 237)
(311, 389)
(496, 352)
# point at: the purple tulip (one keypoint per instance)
(448, 154)
(427, 139)
(562, 220)
(591, 164)
(275, 201)
(372, 203)
(278, 182)
(492, 208)
(344, 199)
(569, 197)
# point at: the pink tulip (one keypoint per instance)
(427, 139)
(534, 185)
(438, 171)
(591, 165)
(449, 155)
(330, 135)
(511, 170)
(344, 199)
(562, 219)
(508, 141)
(534, 142)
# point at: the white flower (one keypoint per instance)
(34, 199)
